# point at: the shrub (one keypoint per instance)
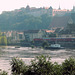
(18, 66)
(42, 65)
(68, 67)
(3, 73)
(57, 69)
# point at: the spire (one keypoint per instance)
(73, 8)
(59, 7)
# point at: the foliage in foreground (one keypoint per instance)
(3, 73)
(42, 65)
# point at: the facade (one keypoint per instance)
(32, 34)
(27, 35)
(20, 36)
(8, 34)
(60, 12)
(15, 35)
(47, 10)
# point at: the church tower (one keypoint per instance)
(73, 8)
(59, 8)
(50, 11)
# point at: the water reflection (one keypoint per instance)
(27, 53)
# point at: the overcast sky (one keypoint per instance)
(8, 5)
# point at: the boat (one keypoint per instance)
(54, 46)
(17, 47)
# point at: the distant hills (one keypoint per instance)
(22, 19)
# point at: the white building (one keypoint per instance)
(32, 34)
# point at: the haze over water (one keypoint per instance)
(28, 53)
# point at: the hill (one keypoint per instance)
(29, 19)
(21, 20)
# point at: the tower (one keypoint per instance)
(27, 8)
(74, 8)
(50, 11)
(59, 7)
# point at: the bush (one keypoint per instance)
(68, 67)
(3, 73)
(42, 65)
(45, 44)
(57, 69)
(32, 46)
(18, 66)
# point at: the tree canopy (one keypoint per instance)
(22, 21)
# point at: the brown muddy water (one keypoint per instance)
(27, 53)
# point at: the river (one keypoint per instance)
(27, 53)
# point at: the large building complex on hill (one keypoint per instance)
(46, 10)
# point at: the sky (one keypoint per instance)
(9, 5)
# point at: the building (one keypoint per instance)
(69, 30)
(59, 21)
(15, 36)
(60, 12)
(32, 34)
(47, 10)
(20, 36)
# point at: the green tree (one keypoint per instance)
(46, 20)
(68, 67)
(3, 73)
(41, 65)
(0, 40)
(52, 35)
(3, 40)
(18, 66)
(9, 40)
(57, 69)
(45, 44)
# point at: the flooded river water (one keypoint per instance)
(27, 53)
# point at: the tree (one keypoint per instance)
(3, 73)
(68, 67)
(57, 69)
(18, 66)
(3, 40)
(9, 40)
(46, 20)
(52, 35)
(45, 44)
(41, 65)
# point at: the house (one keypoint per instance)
(15, 35)
(69, 30)
(8, 34)
(20, 36)
(32, 34)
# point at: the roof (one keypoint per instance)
(59, 21)
(64, 10)
(50, 31)
(31, 31)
